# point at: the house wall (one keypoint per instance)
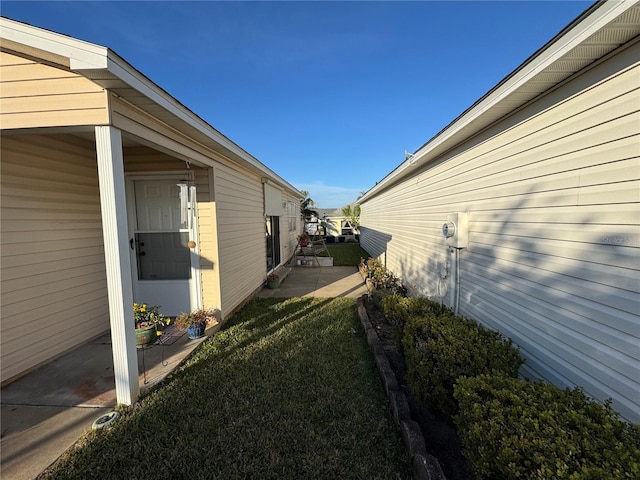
(36, 95)
(290, 226)
(241, 234)
(53, 282)
(239, 200)
(230, 211)
(52, 249)
(140, 160)
(208, 239)
(334, 226)
(553, 195)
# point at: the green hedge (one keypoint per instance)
(513, 429)
(398, 309)
(440, 348)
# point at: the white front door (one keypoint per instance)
(162, 222)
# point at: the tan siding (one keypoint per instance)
(553, 260)
(36, 95)
(143, 159)
(208, 231)
(54, 293)
(241, 235)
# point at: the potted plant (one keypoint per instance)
(149, 322)
(195, 322)
(304, 240)
(273, 280)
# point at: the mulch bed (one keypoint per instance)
(440, 436)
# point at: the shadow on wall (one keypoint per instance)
(375, 243)
(555, 276)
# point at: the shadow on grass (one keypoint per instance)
(287, 389)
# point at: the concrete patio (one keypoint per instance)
(47, 411)
(314, 281)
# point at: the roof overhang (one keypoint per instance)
(112, 72)
(601, 29)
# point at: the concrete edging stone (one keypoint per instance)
(423, 465)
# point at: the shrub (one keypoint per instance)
(381, 277)
(441, 348)
(512, 429)
(398, 309)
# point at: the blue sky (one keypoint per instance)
(327, 94)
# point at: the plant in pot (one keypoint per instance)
(195, 322)
(304, 240)
(149, 322)
(273, 280)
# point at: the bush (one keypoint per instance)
(382, 278)
(512, 429)
(398, 309)
(441, 348)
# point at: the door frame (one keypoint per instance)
(271, 238)
(195, 290)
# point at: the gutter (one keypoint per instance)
(102, 65)
(585, 25)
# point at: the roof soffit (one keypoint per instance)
(141, 92)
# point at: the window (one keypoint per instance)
(292, 215)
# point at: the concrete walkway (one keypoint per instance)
(47, 411)
(319, 282)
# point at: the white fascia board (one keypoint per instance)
(540, 61)
(77, 51)
(120, 68)
(90, 59)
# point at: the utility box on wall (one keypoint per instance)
(456, 230)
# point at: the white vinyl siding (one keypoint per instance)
(37, 95)
(291, 228)
(553, 195)
(54, 292)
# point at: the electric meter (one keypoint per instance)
(456, 230)
(448, 229)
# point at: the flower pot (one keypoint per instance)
(273, 283)
(146, 335)
(196, 331)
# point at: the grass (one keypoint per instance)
(346, 254)
(287, 390)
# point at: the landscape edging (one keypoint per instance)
(423, 465)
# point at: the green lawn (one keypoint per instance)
(286, 390)
(346, 254)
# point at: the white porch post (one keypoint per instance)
(116, 249)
